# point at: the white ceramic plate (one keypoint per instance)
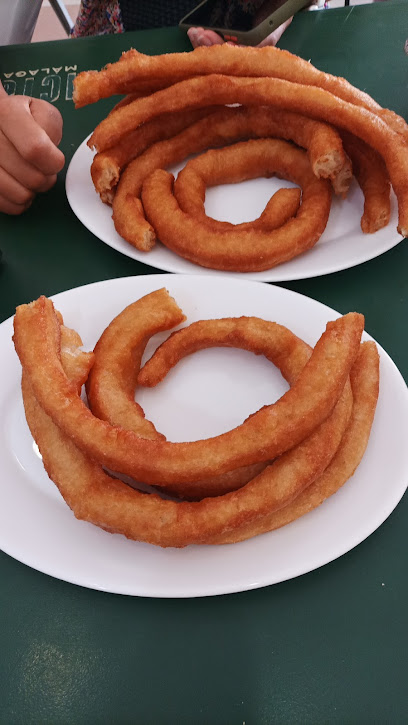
(206, 394)
(342, 245)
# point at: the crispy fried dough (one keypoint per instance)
(371, 174)
(112, 380)
(107, 166)
(209, 170)
(224, 126)
(94, 496)
(107, 502)
(276, 343)
(364, 378)
(77, 363)
(111, 383)
(309, 100)
(241, 250)
(266, 434)
(135, 71)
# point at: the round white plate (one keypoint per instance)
(341, 246)
(207, 393)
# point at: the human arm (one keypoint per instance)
(228, 13)
(200, 36)
(30, 131)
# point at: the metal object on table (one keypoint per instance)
(18, 19)
(62, 15)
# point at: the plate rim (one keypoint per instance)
(273, 275)
(233, 587)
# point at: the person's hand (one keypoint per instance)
(200, 36)
(30, 131)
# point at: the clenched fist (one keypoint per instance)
(30, 131)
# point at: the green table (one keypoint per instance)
(330, 646)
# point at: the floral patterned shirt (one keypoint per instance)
(99, 17)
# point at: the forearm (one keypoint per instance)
(30, 131)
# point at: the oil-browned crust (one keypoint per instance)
(213, 169)
(107, 167)
(138, 72)
(232, 249)
(117, 355)
(371, 174)
(309, 100)
(275, 342)
(107, 502)
(365, 386)
(266, 434)
(322, 142)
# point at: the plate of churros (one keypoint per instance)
(176, 436)
(249, 161)
(342, 244)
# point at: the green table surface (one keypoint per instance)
(330, 646)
